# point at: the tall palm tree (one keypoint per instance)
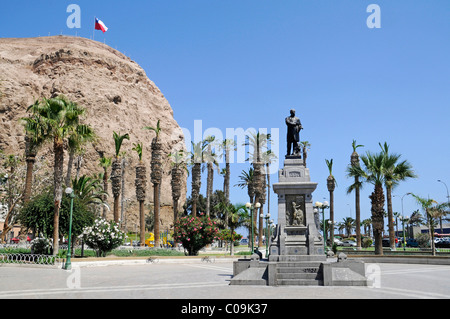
(228, 145)
(356, 186)
(268, 157)
(196, 160)
(331, 184)
(211, 160)
(34, 138)
(258, 142)
(394, 172)
(60, 118)
(141, 186)
(156, 177)
(373, 173)
(179, 165)
(116, 172)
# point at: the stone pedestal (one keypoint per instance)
(297, 235)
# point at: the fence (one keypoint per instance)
(30, 259)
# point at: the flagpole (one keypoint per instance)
(93, 33)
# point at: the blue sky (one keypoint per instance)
(246, 63)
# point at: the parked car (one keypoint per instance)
(411, 242)
(15, 240)
(443, 243)
(349, 243)
(338, 242)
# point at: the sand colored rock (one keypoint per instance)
(115, 91)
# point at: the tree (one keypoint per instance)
(196, 161)
(356, 186)
(331, 184)
(179, 165)
(195, 232)
(258, 142)
(235, 217)
(348, 223)
(59, 118)
(394, 173)
(373, 173)
(211, 160)
(34, 138)
(88, 190)
(246, 179)
(228, 145)
(433, 211)
(156, 177)
(141, 186)
(116, 173)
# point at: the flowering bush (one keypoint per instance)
(41, 246)
(103, 236)
(195, 233)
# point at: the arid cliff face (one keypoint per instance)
(116, 93)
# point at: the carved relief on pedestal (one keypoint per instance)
(295, 210)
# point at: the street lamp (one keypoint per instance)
(267, 231)
(70, 192)
(252, 207)
(323, 205)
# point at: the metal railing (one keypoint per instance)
(30, 259)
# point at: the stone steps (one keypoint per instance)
(299, 273)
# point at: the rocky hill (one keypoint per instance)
(116, 92)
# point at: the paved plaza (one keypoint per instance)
(203, 280)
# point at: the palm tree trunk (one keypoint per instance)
(209, 187)
(226, 188)
(31, 159)
(116, 174)
(377, 200)
(390, 218)
(141, 223)
(58, 148)
(69, 169)
(358, 215)
(332, 218)
(156, 188)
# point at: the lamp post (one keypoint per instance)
(267, 231)
(252, 207)
(70, 192)
(323, 206)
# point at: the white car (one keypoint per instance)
(348, 243)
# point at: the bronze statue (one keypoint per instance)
(293, 134)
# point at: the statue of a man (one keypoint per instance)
(294, 126)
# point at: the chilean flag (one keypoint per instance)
(99, 25)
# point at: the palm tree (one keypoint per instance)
(60, 118)
(156, 177)
(246, 179)
(236, 216)
(105, 163)
(356, 186)
(258, 142)
(211, 160)
(196, 161)
(34, 138)
(393, 173)
(227, 146)
(116, 173)
(349, 224)
(88, 190)
(433, 212)
(331, 184)
(179, 164)
(366, 224)
(141, 186)
(374, 173)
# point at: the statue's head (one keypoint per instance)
(292, 112)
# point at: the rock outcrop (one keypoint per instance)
(115, 91)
